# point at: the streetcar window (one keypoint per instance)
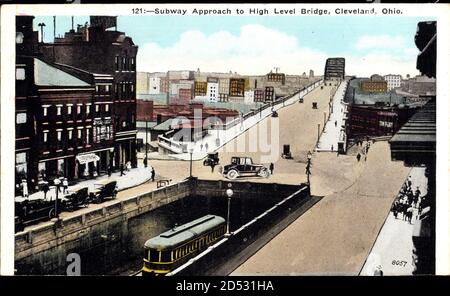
(147, 254)
(154, 255)
(165, 256)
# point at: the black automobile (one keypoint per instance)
(104, 190)
(211, 159)
(244, 167)
(32, 211)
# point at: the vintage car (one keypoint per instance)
(77, 197)
(32, 211)
(212, 159)
(105, 189)
(243, 167)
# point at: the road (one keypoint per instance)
(336, 235)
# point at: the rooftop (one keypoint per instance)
(48, 75)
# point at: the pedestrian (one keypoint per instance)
(332, 148)
(65, 184)
(201, 147)
(121, 169)
(358, 157)
(271, 167)
(335, 123)
(109, 170)
(212, 167)
(409, 181)
(206, 147)
(416, 196)
(45, 188)
(378, 271)
(128, 166)
(24, 188)
(153, 174)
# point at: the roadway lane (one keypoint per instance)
(336, 235)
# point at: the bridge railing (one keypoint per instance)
(242, 237)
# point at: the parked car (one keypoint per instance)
(32, 211)
(78, 197)
(212, 159)
(243, 167)
(104, 190)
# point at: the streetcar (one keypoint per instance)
(176, 246)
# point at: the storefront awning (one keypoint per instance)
(85, 158)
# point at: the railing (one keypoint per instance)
(182, 148)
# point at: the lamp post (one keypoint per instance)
(57, 182)
(146, 143)
(229, 193)
(191, 151)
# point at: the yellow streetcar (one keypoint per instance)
(174, 247)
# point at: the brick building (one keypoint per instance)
(83, 49)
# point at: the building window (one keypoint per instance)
(116, 61)
(79, 133)
(70, 134)
(97, 108)
(107, 108)
(124, 123)
(133, 65)
(58, 110)
(20, 73)
(21, 165)
(19, 37)
(124, 63)
(97, 88)
(45, 136)
(59, 135)
(69, 110)
(78, 109)
(88, 109)
(21, 118)
(44, 111)
(107, 88)
(88, 132)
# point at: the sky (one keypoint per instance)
(258, 44)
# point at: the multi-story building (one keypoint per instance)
(373, 86)
(258, 95)
(237, 87)
(83, 49)
(334, 69)
(201, 88)
(224, 86)
(249, 97)
(213, 89)
(393, 81)
(276, 77)
(269, 94)
(185, 95)
(26, 48)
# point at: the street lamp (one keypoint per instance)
(190, 163)
(57, 182)
(146, 142)
(308, 166)
(229, 193)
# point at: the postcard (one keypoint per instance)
(224, 139)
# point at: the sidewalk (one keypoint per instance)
(393, 247)
(330, 137)
(132, 178)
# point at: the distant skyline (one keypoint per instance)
(258, 44)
